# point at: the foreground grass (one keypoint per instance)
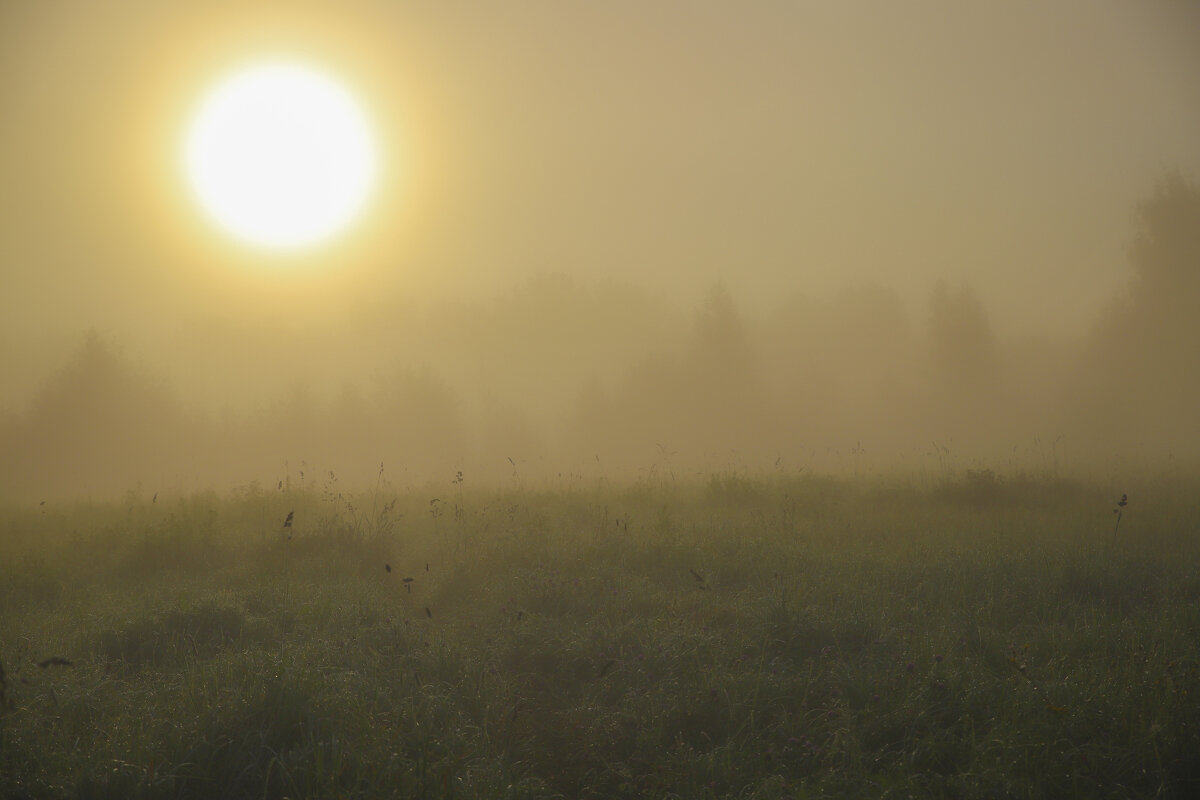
(756, 638)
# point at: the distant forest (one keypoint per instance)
(556, 380)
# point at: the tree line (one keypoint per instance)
(562, 378)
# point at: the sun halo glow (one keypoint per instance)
(280, 156)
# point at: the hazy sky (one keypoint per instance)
(785, 147)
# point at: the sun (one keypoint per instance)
(280, 156)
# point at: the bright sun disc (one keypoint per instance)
(280, 156)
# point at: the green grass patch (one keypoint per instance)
(737, 637)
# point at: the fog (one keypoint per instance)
(613, 242)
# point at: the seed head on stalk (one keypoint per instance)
(1124, 501)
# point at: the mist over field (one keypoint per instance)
(613, 243)
(687, 398)
(558, 379)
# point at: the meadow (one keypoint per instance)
(732, 635)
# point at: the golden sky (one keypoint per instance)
(783, 147)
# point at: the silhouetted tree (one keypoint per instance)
(99, 424)
(703, 401)
(720, 345)
(1141, 373)
(721, 400)
(1163, 320)
(962, 345)
(1166, 252)
(963, 389)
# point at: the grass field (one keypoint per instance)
(783, 636)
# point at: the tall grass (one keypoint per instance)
(738, 636)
